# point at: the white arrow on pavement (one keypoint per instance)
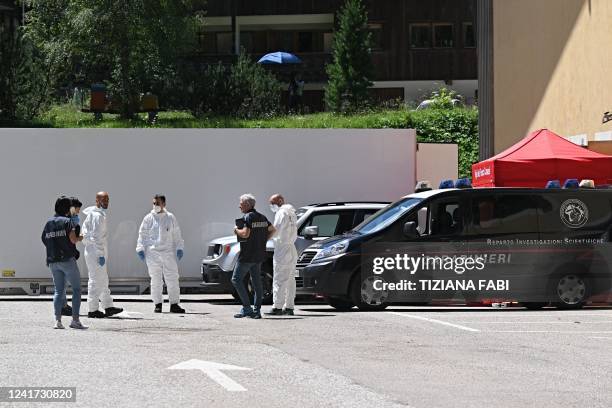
(213, 370)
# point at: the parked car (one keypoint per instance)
(315, 223)
(331, 268)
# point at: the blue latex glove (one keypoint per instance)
(101, 261)
(179, 254)
(75, 219)
(141, 255)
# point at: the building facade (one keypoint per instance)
(544, 64)
(418, 45)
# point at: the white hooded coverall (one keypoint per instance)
(285, 257)
(94, 231)
(160, 237)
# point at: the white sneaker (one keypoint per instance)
(58, 325)
(77, 325)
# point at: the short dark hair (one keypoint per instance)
(75, 202)
(62, 205)
(160, 197)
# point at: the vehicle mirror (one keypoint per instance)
(410, 230)
(311, 232)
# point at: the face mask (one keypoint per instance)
(274, 208)
(157, 209)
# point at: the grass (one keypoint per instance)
(66, 116)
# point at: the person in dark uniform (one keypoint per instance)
(253, 236)
(75, 209)
(60, 240)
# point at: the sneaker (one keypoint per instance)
(77, 325)
(110, 311)
(158, 308)
(66, 311)
(255, 315)
(275, 312)
(288, 312)
(58, 325)
(96, 315)
(243, 314)
(175, 308)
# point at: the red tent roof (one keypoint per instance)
(539, 157)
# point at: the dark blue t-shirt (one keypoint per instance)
(55, 238)
(253, 249)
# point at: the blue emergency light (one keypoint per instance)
(571, 183)
(463, 183)
(446, 184)
(553, 184)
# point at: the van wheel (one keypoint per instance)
(340, 304)
(571, 291)
(364, 296)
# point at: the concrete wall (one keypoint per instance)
(201, 172)
(553, 65)
(437, 162)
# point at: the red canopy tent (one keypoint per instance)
(539, 157)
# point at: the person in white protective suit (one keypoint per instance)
(95, 240)
(285, 256)
(160, 245)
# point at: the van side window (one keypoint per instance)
(504, 214)
(446, 219)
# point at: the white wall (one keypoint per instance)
(437, 162)
(202, 173)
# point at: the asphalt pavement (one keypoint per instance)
(404, 356)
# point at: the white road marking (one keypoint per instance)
(213, 370)
(550, 331)
(519, 322)
(601, 337)
(456, 326)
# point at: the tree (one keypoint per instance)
(132, 45)
(352, 69)
(24, 81)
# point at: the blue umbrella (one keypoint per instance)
(279, 58)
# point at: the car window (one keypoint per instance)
(504, 214)
(327, 223)
(361, 215)
(446, 219)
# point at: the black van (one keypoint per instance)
(331, 268)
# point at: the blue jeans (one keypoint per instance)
(63, 272)
(240, 271)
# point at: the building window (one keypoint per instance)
(224, 43)
(305, 42)
(420, 35)
(469, 37)
(328, 42)
(283, 40)
(377, 36)
(443, 35)
(246, 42)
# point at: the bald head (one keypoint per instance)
(102, 199)
(277, 199)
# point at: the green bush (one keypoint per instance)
(242, 90)
(459, 125)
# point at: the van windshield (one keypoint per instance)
(386, 216)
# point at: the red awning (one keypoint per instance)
(539, 157)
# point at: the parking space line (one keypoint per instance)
(456, 326)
